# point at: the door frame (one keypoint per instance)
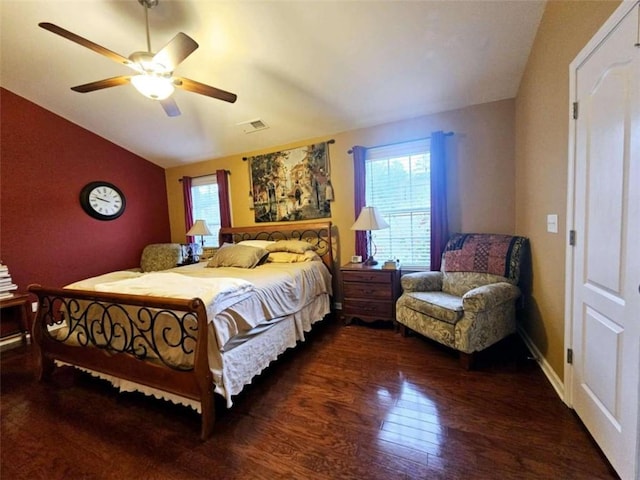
(623, 9)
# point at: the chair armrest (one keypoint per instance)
(422, 282)
(489, 296)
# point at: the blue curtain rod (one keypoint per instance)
(448, 134)
(205, 175)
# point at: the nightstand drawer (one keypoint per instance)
(368, 290)
(369, 308)
(377, 276)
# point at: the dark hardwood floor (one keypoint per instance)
(355, 402)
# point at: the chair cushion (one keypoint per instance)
(439, 305)
(459, 283)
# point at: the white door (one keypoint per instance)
(605, 297)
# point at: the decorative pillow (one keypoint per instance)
(293, 246)
(257, 243)
(484, 253)
(242, 256)
(288, 257)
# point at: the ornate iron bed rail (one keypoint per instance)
(318, 233)
(128, 336)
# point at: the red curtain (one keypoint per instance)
(439, 221)
(188, 206)
(360, 199)
(222, 178)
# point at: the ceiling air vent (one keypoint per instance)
(251, 126)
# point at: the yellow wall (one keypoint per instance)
(481, 174)
(542, 125)
(508, 166)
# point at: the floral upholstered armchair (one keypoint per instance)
(160, 256)
(470, 303)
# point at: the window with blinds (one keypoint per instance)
(398, 185)
(206, 206)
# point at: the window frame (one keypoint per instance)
(197, 209)
(411, 153)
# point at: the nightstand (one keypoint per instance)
(369, 292)
(18, 309)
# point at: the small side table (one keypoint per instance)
(20, 307)
(370, 292)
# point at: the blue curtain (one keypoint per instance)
(439, 221)
(222, 179)
(359, 196)
(188, 206)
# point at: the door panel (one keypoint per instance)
(605, 164)
(602, 342)
(606, 262)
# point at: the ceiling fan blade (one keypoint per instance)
(174, 52)
(100, 84)
(202, 89)
(85, 43)
(170, 107)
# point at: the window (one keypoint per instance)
(398, 185)
(206, 206)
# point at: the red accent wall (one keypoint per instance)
(45, 236)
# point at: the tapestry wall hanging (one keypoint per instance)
(291, 185)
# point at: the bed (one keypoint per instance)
(192, 332)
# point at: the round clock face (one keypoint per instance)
(102, 200)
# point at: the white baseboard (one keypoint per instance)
(551, 375)
(13, 341)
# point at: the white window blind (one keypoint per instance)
(206, 206)
(398, 185)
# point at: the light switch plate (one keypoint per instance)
(552, 223)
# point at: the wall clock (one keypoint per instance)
(102, 200)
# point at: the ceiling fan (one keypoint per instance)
(154, 71)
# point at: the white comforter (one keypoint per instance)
(237, 299)
(216, 293)
(298, 292)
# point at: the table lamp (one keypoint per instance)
(370, 219)
(199, 228)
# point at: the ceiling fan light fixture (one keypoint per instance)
(154, 72)
(153, 86)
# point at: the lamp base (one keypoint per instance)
(370, 262)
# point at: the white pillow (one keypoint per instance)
(288, 257)
(256, 243)
(242, 256)
(293, 246)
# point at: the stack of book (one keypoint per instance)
(7, 287)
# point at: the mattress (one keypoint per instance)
(280, 289)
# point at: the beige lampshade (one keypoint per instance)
(199, 228)
(369, 219)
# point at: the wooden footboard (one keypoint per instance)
(153, 341)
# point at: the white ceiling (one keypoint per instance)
(305, 68)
